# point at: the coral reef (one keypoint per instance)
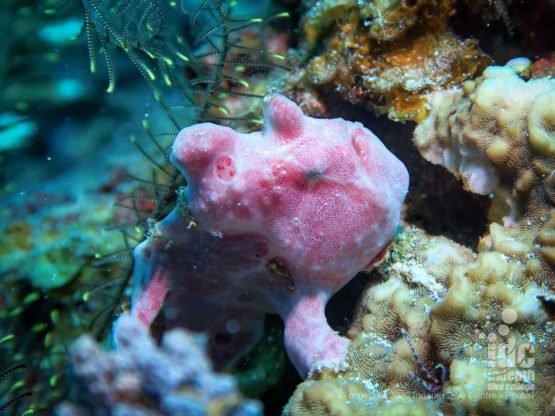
(272, 213)
(50, 245)
(62, 264)
(492, 327)
(393, 320)
(142, 378)
(478, 337)
(497, 134)
(75, 193)
(386, 55)
(442, 331)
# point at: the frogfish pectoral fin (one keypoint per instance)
(151, 299)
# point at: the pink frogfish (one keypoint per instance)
(283, 218)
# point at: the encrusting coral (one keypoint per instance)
(282, 220)
(50, 246)
(493, 329)
(142, 378)
(479, 339)
(384, 372)
(386, 55)
(440, 333)
(497, 134)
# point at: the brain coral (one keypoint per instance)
(283, 218)
(383, 376)
(442, 331)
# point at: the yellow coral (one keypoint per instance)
(338, 398)
(391, 363)
(320, 399)
(495, 331)
(387, 55)
(497, 134)
(438, 306)
(467, 383)
(541, 124)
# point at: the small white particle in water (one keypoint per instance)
(217, 234)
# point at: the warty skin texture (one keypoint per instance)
(283, 219)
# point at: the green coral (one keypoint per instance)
(50, 247)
